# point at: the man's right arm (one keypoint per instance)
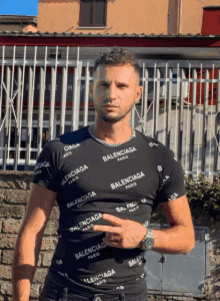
(29, 241)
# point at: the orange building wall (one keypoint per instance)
(28, 28)
(123, 16)
(137, 16)
(192, 15)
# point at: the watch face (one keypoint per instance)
(148, 243)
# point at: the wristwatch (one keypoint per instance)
(147, 242)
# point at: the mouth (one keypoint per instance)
(108, 106)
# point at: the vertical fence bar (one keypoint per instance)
(204, 131)
(19, 117)
(64, 93)
(157, 104)
(153, 101)
(165, 106)
(192, 132)
(177, 100)
(11, 101)
(7, 108)
(142, 99)
(168, 130)
(52, 96)
(76, 95)
(180, 120)
(210, 126)
(21, 102)
(145, 99)
(187, 118)
(2, 79)
(29, 117)
(200, 132)
(41, 108)
(74, 101)
(32, 71)
(217, 124)
(86, 100)
(1, 111)
(43, 74)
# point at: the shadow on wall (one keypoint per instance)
(173, 17)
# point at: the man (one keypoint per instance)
(107, 179)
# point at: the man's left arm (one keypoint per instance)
(128, 234)
(180, 238)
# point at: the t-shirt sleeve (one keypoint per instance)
(46, 172)
(172, 184)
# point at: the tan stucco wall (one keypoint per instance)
(192, 15)
(30, 28)
(138, 16)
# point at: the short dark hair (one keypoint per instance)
(117, 57)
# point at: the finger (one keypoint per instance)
(108, 229)
(113, 219)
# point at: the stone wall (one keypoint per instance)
(14, 188)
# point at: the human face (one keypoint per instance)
(114, 92)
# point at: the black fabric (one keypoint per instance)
(127, 181)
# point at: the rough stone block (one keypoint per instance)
(39, 260)
(49, 243)
(55, 214)
(40, 275)
(7, 256)
(5, 287)
(5, 272)
(8, 211)
(2, 195)
(46, 259)
(8, 241)
(51, 228)
(35, 290)
(16, 196)
(11, 225)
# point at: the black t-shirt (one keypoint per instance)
(90, 179)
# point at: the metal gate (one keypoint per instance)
(44, 92)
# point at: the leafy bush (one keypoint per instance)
(204, 197)
(204, 201)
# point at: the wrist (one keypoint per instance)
(145, 231)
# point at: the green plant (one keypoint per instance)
(204, 200)
(204, 197)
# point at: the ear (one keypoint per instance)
(138, 93)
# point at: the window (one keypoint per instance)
(93, 13)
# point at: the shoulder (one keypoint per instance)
(75, 137)
(70, 138)
(157, 147)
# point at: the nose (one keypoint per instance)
(112, 92)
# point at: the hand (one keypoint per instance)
(125, 234)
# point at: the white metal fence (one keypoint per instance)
(45, 92)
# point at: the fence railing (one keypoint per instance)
(45, 92)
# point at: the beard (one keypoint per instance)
(105, 117)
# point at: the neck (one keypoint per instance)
(112, 133)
